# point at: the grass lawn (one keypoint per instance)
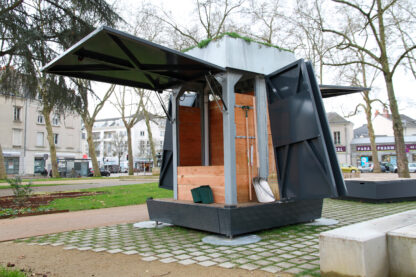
(4, 272)
(85, 178)
(114, 197)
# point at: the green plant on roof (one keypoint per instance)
(205, 42)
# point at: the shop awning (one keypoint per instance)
(111, 56)
(331, 91)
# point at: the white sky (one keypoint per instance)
(403, 81)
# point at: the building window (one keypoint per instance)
(55, 138)
(41, 119)
(39, 139)
(337, 137)
(82, 135)
(17, 112)
(56, 120)
(142, 133)
(96, 135)
(162, 133)
(17, 137)
(108, 135)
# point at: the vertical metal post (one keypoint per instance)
(228, 81)
(261, 114)
(175, 153)
(206, 128)
(202, 122)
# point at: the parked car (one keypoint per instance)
(412, 167)
(102, 171)
(366, 168)
(349, 168)
(386, 167)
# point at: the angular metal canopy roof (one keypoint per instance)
(331, 91)
(112, 56)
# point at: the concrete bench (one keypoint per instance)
(361, 249)
(401, 244)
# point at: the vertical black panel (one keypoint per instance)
(304, 161)
(166, 169)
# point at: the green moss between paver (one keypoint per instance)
(293, 248)
(5, 272)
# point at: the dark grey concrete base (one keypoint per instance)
(381, 191)
(233, 220)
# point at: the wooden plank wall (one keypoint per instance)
(242, 165)
(190, 177)
(190, 153)
(216, 143)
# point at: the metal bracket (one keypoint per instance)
(224, 106)
(163, 106)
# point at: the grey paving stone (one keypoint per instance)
(113, 251)
(220, 260)
(207, 263)
(168, 260)
(99, 249)
(227, 265)
(271, 269)
(84, 248)
(242, 261)
(183, 257)
(284, 264)
(214, 255)
(149, 259)
(249, 266)
(263, 262)
(130, 252)
(201, 258)
(187, 262)
(287, 256)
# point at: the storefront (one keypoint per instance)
(386, 150)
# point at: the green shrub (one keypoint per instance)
(4, 272)
(21, 192)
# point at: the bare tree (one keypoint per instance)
(84, 89)
(210, 19)
(129, 112)
(387, 53)
(119, 146)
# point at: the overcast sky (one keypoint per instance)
(344, 105)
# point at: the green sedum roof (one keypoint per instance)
(205, 42)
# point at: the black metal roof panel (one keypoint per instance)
(112, 56)
(331, 91)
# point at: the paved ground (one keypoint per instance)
(69, 185)
(23, 227)
(292, 249)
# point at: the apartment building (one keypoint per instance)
(106, 130)
(342, 131)
(24, 136)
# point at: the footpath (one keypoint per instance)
(29, 226)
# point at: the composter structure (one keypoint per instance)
(238, 110)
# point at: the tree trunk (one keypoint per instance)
(91, 150)
(402, 163)
(52, 147)
(368, 113)
(130, 151)
(150, 137)
(3, 174)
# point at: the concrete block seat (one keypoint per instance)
(402, 251)
(361, 249)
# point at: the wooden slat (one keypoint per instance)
(190, 153)
(216, 143)
(195, 176)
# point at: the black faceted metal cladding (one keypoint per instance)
(111, 56)
(237, 220)
(303, 150)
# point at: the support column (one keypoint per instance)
(262, 137)
(206, 127)
(175, 154)
(228, 81)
